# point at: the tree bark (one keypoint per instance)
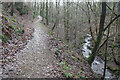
(66, 21)
(43, 6)
(101, 30)
(89, 21)
(75, 27)
(46, 12)
(12, 10)
(119, 35)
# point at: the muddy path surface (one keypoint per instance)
(35, 60)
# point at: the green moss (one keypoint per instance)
(19, 6)
(73, 58)
(51, 33)
(7, 18)
(111, 68)
(5, 60)
(4, 38)
(14, 20)
(89, 47)
(21, 29)
(117, 72)
(68, 75)
(114, 70)
(82, 76)
(100, 53)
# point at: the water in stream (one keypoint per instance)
(98, 64)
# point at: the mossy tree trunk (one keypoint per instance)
(99, 37)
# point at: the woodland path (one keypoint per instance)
(36, 60)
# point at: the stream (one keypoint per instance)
(98, 64)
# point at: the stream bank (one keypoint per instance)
(98, 63)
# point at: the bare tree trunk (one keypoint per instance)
(105, 64)
(101, 30)
(89, 21)
(75, 34)
(12, 10)
(52, 12)
(57, 15)
(119, 35)
(67, 23)
(46, 12)
(23, 5)
(43, 6)
(95, 18)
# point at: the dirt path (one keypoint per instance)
(35, 60)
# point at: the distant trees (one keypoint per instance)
(66, 20)
(11, 6)
(73, 20)
(56, 15)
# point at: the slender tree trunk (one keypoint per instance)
(67, 23)
(89, 21)
(105, 64)
(23, 5)
(75, 34)
(57, 15)
(101, 30)
(46, 12)
(52, 11)
(95, 19)
(35, 8)
(12, 10)
(43, 6)
(119, 35)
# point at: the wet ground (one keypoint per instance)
(35, 60)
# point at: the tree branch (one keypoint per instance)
(104, 42)
(111, 10)
(111, 22)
